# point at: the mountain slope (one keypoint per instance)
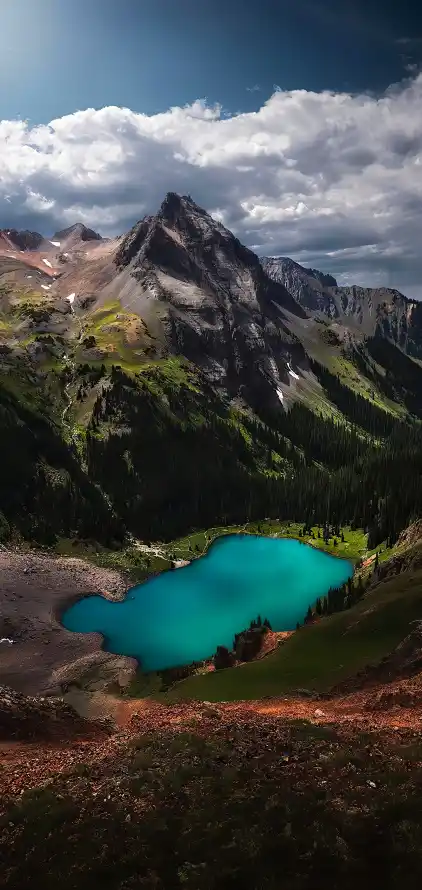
(13, 239)
(158, 367)
(162, 382)
(44, 490)
(363, 311)
(272, 796)
(73, 236)
(201, 294)
(370, 338)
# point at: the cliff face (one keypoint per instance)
(305, 285)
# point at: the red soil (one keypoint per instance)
(392, 709)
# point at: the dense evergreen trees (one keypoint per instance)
(337, 599)
(356, 408)
(43, 489)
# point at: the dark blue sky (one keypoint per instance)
(57, 57)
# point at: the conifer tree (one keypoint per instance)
(309, 615)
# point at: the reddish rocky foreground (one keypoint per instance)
(267, 794)
(42, 738)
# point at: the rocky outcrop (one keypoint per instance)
(404, 662)
(408, 556)
(306, 285)
(411, 535)
(324, 279)
(396, 697)
(28, 718)
(406, 659)
(74, 235)
(396, 670)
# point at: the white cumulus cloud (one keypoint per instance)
(331, 179)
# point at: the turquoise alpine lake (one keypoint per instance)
(183, 614)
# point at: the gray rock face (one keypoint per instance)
(215, 302)
(363, 310)
(324, 279)
(306, 285)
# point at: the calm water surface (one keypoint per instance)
(183, 615)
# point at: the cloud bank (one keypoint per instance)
(333, 180)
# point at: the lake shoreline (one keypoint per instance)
(34, 603)
(282, 535)
(119, 636)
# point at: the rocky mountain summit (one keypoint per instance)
(71, 236)
(211, 298)
(187, 286)
(179, 330)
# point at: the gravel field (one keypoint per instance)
(34, 591)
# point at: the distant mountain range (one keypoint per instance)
(363, 311)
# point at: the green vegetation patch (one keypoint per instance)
(353, 547)
(119, 336)
(350, 376)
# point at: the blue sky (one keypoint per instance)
(57, 57)
(297, 123)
